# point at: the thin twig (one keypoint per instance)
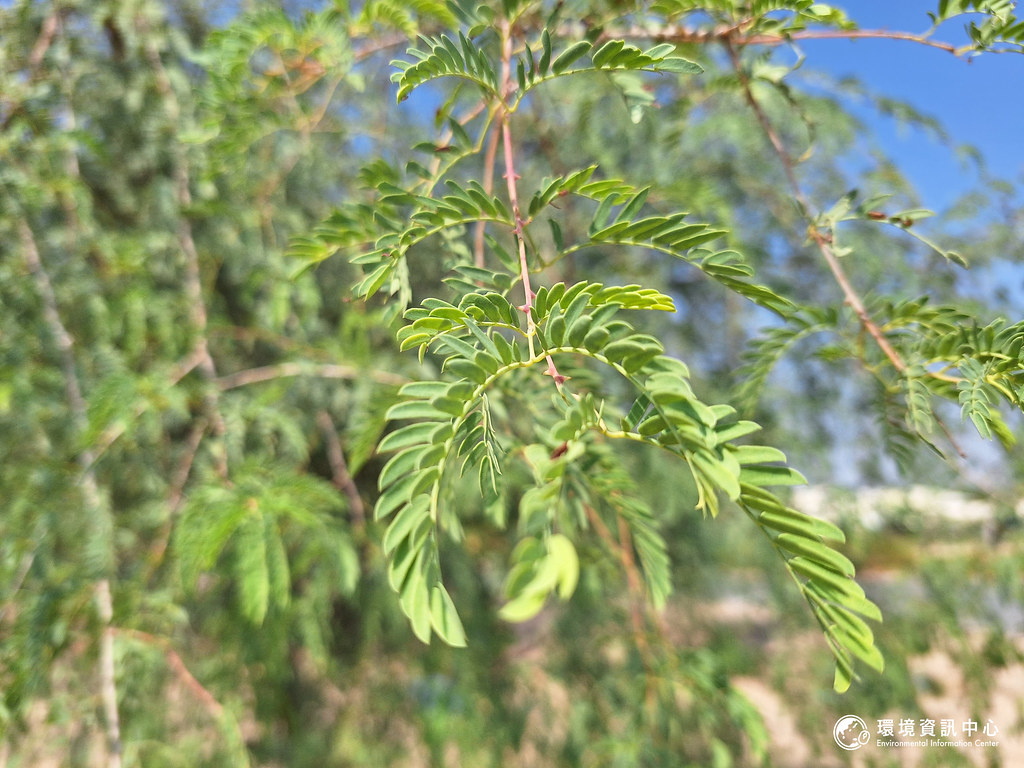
(19, 578)
(854, 34)
(623, 549)
(322, 371)
(488, 184)
(617, 547)
(513, 195)
(340, 475)
(112, 433)
(388, 41)
(633, 578)
(178, 668)
(952, 441)
(849, 292)
(184, 468)
(176, 496)
(683, 35)
(446, 136)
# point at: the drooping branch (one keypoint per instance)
(850, 294)
(90, 489)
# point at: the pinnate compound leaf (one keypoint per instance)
(441, 57)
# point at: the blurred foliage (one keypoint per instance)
(211, 227)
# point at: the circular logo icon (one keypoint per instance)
(850, 732)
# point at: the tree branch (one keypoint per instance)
(513, 195)
(108, 684)
(623, 549)
(90, 490)
(488, 184)
(19, 578)
(46, 34)
(323, 371)
(176, 496)
(340, 475)
(729, 33)
(388, 41)
(849, 292)
(178, 669)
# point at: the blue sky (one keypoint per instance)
(979, 103)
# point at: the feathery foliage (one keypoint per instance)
(274, 350)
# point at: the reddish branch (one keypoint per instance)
(849, 292)
(730, 34)
(623, 549)
(340, 475)
(176, 496)
(388, 41)
(513, 195)
(488, 183)
(184, 468)
(634, 582)
(178, 668)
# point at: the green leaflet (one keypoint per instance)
(815, 551)
(783, 519)
(539, 569)
(569, 56)
(445, 619)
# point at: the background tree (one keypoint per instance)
(219, 464)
